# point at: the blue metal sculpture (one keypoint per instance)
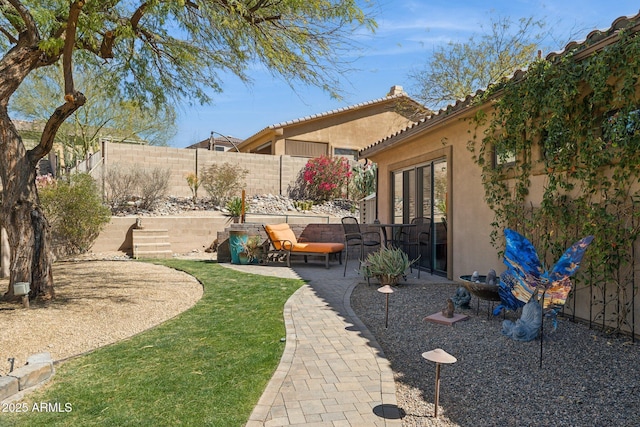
(525, 275)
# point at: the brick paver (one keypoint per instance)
(332, 372)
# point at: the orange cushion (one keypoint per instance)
(279, 232)
(318, 247)
(282, 232)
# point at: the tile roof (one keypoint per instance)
(400, 96)
(596, 39)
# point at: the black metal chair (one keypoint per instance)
(419, 237)
(353, 236)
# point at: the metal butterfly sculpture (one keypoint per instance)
(525, 275)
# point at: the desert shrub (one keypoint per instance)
(120, 185)
(221, 181)
(326, 177)
(147, 188)
(74, 210)
(153, 187)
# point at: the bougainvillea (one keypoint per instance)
(326, 176)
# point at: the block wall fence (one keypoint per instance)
(267, 174)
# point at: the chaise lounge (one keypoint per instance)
(284, 242)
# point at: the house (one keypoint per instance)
(217, 143)
(439, 168)
(339, 132)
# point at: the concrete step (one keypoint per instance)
(153, 254)
(151, 243)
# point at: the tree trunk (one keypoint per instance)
(22, 217)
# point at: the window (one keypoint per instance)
(346, 152)
(503, 156)
(306, 148)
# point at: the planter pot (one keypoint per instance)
(237, 240)
(388, 280)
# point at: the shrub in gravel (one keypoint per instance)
(220, 181)
(145, 188)
(74, 210)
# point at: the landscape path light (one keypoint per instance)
(386, 289)
(438, 356)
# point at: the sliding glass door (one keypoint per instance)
(421, 192)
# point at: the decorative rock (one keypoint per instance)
(448, 310)
(8, 386)
(462, 298)
(527, 327)
(44, 357)
(491, 277)
(475, 277)
(30, 375)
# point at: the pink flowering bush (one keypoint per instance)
(326, 177)
(43, 181)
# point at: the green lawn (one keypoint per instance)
(206, 367)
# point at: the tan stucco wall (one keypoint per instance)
(468, 215)
(351, 129)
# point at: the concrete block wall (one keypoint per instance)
(179, 162)
(267, 174)
(186, 234)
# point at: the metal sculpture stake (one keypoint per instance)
(438, 356)
(386, 289)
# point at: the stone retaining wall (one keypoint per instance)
(38, 369)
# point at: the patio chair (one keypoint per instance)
(353, 236)
(418, 237)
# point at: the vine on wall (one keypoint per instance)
(576, 122)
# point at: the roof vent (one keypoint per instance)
(396, 90)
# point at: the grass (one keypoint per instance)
(206, 367)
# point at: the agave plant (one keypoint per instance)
(387, 265)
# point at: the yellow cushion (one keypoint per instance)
(278, 233)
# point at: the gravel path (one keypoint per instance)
(587, 378)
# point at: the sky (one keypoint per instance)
(407, 33)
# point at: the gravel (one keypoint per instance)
(588, 378)
(258, 204)
(97, 303)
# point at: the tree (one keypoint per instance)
(459, 69)
(102, 115)
(153, 52)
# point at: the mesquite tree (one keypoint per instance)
(153, 52)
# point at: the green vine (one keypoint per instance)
(573, 125)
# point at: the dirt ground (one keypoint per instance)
(97, 303)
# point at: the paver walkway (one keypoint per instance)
(332, 372)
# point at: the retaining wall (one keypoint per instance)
(196, 233)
